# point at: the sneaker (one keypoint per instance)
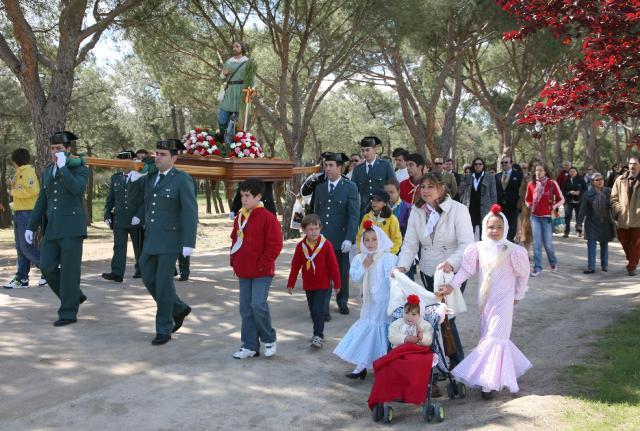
(16, 283)
(245, 353)
(316, 342)
(42, 282)
(554, 268)
(535, 273)
(269, 349)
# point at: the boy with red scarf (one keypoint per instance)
(317, 259)
(256, 243)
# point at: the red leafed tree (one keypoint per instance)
(605, 79)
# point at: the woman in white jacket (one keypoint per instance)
(440, 228)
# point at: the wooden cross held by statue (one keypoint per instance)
(249, 93)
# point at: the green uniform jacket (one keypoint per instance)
(375, 180)
(60, 199)
(170, 213)
(339, 211)
(125, 200)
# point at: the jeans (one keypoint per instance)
(457, 357)
(591, 254)
(254, 310)
(316, 301)
(27, 253)
(542, 235)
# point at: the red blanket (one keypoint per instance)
(402, 374)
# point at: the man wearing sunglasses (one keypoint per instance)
(507, 190)
(449, 179)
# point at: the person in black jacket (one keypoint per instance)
(573, 189)
(508, 193)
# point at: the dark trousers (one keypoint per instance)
(316, 299)
(630, 241)
(512, 219)
(119, 259)
(342, 298)
(569, 209)
(27, 253)
(456, 358)
(157, 276)
(60, 261)
(184, 264)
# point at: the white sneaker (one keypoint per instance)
(245, 353)
(16, 283)
(316, 342)
(269, 349)
(535, 273)
(42, 282)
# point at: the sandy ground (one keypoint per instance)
(103, 374)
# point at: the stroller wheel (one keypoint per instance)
(388, 414)
(462, 390)
(438, 411)
(377, 412)
(427, 412)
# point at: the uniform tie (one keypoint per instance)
(160, 177)
(331, 187)
(369, 166)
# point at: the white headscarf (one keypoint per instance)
(370, 282)
(384, 243)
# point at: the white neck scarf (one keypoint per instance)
(312, 256)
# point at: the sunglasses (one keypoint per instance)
(479, 164)
(504, 163)
(438, 163)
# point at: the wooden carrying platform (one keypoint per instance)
(217, 168)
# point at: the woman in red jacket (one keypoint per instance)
(256, 243)
(543, 197)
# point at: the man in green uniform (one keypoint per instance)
(63, 185)
(123, 212)
(171, 218)
(239, 73)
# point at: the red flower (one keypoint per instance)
(496, 209)
(413, 299)
(198, 129)
(367, 225)
(200, 138)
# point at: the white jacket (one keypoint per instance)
(452, 235)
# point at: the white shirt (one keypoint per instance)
(367, 164)
(335, 184)
(158, 177)
(402, 174)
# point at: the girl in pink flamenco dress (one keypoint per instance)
(496, 362)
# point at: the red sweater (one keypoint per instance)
(552, 198)
(326, 268)
(408, 191)
(261, 245)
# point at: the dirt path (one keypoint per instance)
(102, 373)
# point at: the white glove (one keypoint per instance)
(61, 159)
(187, 251)
(135, 221)
(107, 222)
(232, 215)
(28, 236)
(346, 246)
(134, 176)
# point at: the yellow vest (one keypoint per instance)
(25, 188)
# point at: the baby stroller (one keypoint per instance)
(455, 390)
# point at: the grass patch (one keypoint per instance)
(608, 387)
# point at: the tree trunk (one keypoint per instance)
(174, 123)
(573, 138)
(5, 216)
(90, 189)
(450, 116)
(181, 127)
(207, 192)
(617, 143)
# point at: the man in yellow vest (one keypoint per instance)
(24, 192)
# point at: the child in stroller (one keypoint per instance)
(406, 373)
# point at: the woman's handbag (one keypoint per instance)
(447, 338)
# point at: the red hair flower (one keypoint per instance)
(496, 209)
(367, 225)
(413, 299)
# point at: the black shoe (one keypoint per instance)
(589, 271)
(64, 322)
(361, 375)
(183, 278)
(631, 273)
(137, 275)
(180, 318)
(327, 317)
(566, 235)
(111, 277)
(83, 298)
(343, 311)
(160, 339)
(488, 395)
(605, 270)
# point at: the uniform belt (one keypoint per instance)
(235, 82)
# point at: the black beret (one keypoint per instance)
(126, 155)
(63, 138)
(335, 157)
(381, 195)
(171, 145)
(370, 141)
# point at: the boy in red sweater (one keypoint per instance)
(256, 243)
(315, 255)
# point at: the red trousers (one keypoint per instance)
(630, 240)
